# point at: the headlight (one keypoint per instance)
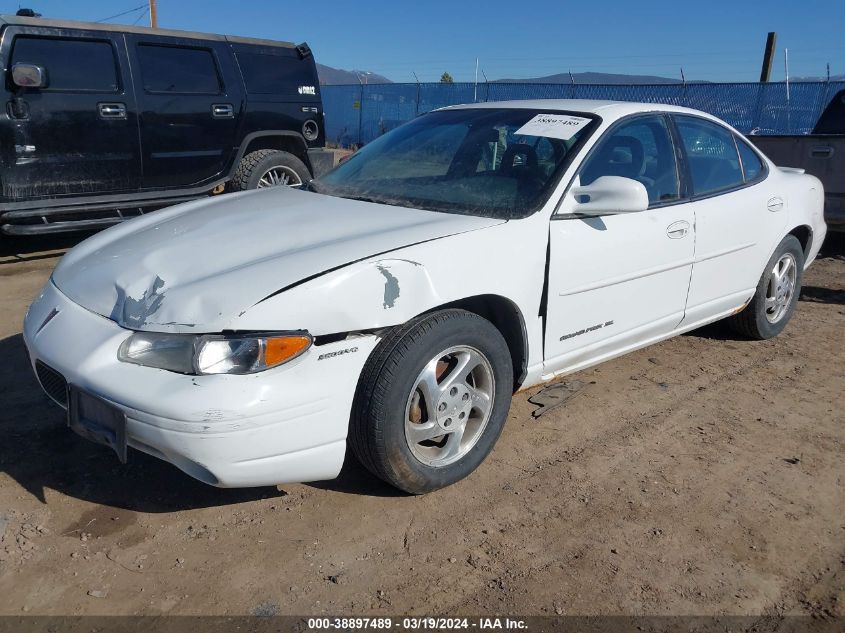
(174, 352)
(213, 353)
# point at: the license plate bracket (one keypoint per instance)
(96, 420)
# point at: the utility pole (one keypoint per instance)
(475, 91)
(768, 57)
(786, 71)
(788, 110)
(153, 14)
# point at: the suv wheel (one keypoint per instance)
(432, 401)
(269, 168)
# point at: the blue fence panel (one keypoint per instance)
(341, 105)
(737, 104)
(518, 92)
(439, 95)
(358, 114)
(798, 114)
(386, 106)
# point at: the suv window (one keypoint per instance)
(177, 69)
(266, 74)
(752, 166)
(711, 154)
(71, 65)
(641, 150)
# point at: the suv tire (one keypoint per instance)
(432, 400)
(268, 168)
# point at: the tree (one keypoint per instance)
(446, 78)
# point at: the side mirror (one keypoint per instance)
(610, 194)
(29, 76)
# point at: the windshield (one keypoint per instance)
(500, 163)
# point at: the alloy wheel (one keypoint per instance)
(449, 406)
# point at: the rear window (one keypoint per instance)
(269, 74)
(178, 70)
(752, 166)
(71, 65)
(712, 155)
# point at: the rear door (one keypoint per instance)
(190, 102)
(738, 216)
(283, 89)
(79, 133)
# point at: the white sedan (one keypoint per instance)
(396, 304)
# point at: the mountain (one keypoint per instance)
(832, 78)
(592, 78)
(329, 75)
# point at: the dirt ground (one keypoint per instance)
(700, 476)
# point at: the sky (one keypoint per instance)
(711, 40)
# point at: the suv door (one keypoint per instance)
(78, 134)
(617, 282)
(736, 223)
(190, 103)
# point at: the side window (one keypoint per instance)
(266, 74)
(642, 150)
(752, 166)
(711, 154)
(71, 65)
(178, 70)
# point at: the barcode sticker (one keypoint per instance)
(562, 126)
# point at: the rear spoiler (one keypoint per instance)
(792, 170)
(303, 50)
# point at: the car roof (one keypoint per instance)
(605, 109)
(17, 20)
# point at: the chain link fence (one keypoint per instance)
(358, 114)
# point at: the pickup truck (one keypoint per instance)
(103, 122)
(821, 153)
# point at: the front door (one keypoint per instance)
(617, 282)
(189, 112)
(78, 133)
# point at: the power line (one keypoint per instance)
(138, 19)
(119, 15)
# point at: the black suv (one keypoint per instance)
(102, 122)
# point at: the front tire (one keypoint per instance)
(777, 293)
(432, 401)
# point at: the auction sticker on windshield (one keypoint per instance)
(562, 126)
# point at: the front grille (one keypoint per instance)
(52, 382)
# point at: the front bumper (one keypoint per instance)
(287, 424)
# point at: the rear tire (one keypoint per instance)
(773, 303)
(432, 401)
(268, 168)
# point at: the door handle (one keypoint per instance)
(678, 229)
(222, 111)
(112, 110)
(821, 151)
(775, 204)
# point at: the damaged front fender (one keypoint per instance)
(364, 296)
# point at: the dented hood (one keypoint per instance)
(197, 266)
